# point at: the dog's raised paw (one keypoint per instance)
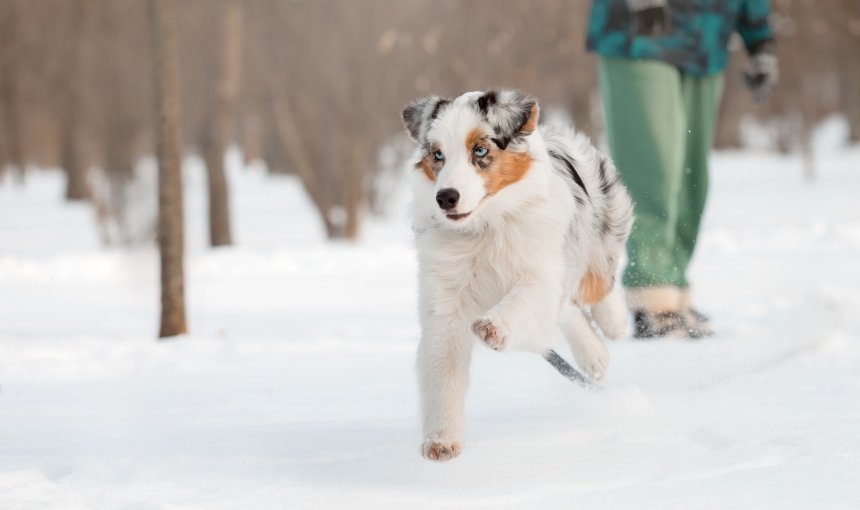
(440, 450)
(489, 334)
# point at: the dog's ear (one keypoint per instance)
(510, 113)
(418, 114)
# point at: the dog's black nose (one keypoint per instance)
(447, 198)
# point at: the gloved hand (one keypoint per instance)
(650, 17)
(763, 71)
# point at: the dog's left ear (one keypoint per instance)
(418, 114)
(511, 113)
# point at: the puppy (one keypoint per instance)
(518, 227)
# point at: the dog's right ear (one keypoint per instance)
(418, 114)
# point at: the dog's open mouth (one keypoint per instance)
(456, 217)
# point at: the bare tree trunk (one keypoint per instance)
(850, 71)
(852, 101)
(807, 152)
(221, 131)
(77, 184)
(9, 97)
(354, 192)
(731, 112)
(219, 196)
(728, 135)
(169, 147)
(119, 167)
(253, 138)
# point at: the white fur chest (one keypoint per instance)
(465, 273)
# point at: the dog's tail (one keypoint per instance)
(567, 370)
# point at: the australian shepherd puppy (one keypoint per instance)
(519, 229)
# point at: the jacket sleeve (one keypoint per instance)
(753, 25)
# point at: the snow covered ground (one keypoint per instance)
(296, 387)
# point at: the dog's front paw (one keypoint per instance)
(490, 334)
(440, 450)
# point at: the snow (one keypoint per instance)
(296, 387)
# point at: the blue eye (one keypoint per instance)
(480, 151)
(439, 156)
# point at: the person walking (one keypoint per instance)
(661, 66)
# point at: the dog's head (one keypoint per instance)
(472, 147)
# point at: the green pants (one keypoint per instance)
(660, 124)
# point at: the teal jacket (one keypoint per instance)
(697, 42)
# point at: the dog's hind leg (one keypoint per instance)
(611, 314)
(588, 350)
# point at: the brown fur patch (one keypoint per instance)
(510, 167)
(499, 168)
(531, 124)
(427, 167)
(593, 287)
(475, 137)
(478, 138)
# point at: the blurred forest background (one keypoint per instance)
(313, 87)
